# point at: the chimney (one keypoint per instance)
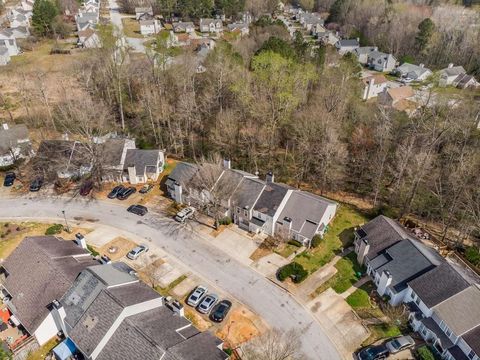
(450, 65)
(361, 248)
(385, 281)
(175, 306)
(80, 240)
(270, 178)
(5, 126)
(227, 163)
(177, 196)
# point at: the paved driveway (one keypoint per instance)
(274, 305)
(116, 19)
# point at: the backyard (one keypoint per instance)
(339, 235)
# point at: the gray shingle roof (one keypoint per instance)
(381, 233)
(247, 193)
(10, 137)
(438, 284)
(40, 270)
(200, 347)
(407, 260)
(461, 312)
(349, 43)
(457, 353)
(472, 338)
(142, 159)
(411, 70)
(271, 198)
(453, 71)
(305, 211)
(365, 50)
(182, 173)
(433, 326)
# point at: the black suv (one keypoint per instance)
(373, 353)
(9, 179)
(36, 184)
(139, 210)
(125, 193)
(115, 191)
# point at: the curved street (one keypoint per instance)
(274, 305)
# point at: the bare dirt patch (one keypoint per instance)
(117, 248)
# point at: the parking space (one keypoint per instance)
(269, 264)
(237, 244)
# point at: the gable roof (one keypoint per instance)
(382, 232)
(453, 71)
(438, 284)
(40, 270)
(365, 50)
(247, 193)
(377, 78)
(349, 43)
(271, 198)
(182, 173)
(461, 312)
(305, 211)
(142, 159)
(411, 70)
(11, 137)
(405, 261)
(472, 338)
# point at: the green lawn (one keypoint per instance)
(346, 276)
(40, 353)
(286, 250)
(131, 28)
(339, 234)
(361, 303)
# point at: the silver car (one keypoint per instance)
(400, 343)
(184, 214)
(197, 295)
(135, 253)
(207, 303)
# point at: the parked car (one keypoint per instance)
(115, 191)
(146, 188)
(207, 303)
(139, 210)
(86, 188)
(135, 253)
(125, 193)
(104, 259)
(184, 214)
(219, 313)
(9, 179)
(36, 184)
(373, 353)
(197, 295)
(400, 343)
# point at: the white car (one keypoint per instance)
(207, 303)
(184, 214)
(197, 295)
(400, 343)
(135, 253)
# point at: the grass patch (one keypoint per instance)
(347, 269)
(131, 28)
(54, 229)
(359, 299)
(40, 353)
(285, 250)
(382, 331)
(166, 291)
(360, 302)
(92, 250)
(338, 235)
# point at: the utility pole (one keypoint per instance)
(66, 222)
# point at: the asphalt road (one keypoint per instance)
(116, 19)
(273, 304)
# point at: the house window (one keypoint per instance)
(471, 354)
(245, 213)
(417, 301)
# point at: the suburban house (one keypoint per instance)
(464, 81)
(14, 143)
(86, 20)
(38, 272)
(373, 86)
(243, 201)
(401, 98)
(110, 314)
(4, 56)
(177, 182)
(443, 302)
(380, 61)
(20, 32)
(10, 43)
(309, 20)
(187, 27)
(88, 39)
(141, 166)
(211, 25)
(304, 216)
(27, 5)
(143, 13)
(150, 27)
(327, 38)
(240, 27)
(449, 74)
(412, 72)
(347, 45)
(362, 53)
(176, 39)
(270, 204)
(19, 20)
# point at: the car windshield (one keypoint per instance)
(396, 344)
(194, 297)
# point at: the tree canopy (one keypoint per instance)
(44, 13)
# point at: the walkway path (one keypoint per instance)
(355, 287)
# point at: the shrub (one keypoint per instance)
(54, 229)
(424, 353)
(227, 220)
(473, 255)
(294, 271)
(316, 240)
(92, 250)
(295, 243)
